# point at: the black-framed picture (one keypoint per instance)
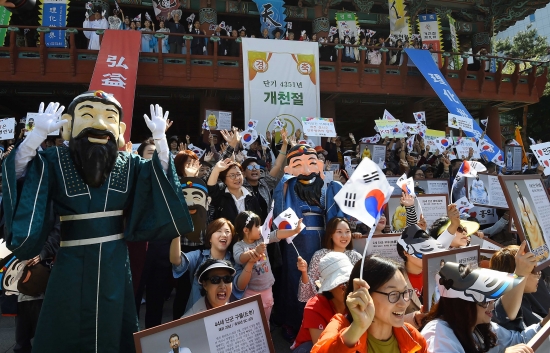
(236, 327)
(540, 343)
(485, 190)
(513, 156)
(432, 207)
(530, 209)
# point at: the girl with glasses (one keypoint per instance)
(215, 278)
(461, 321)
(376, 313)
(229, 196)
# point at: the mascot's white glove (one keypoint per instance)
(157, 125)
(46, 122)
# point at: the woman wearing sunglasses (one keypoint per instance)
(461, 321)
(376, 313)
(453, 232)
(216, 278)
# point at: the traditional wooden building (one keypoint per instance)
(352, 93)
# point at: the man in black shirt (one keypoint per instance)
(198, 44)
(175, 42)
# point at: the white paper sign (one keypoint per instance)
(7, 129)
(458, 121)
(542, 153)
(323, 127)
(218, 120)
(484, 243)
(30, 124)
(484, 215)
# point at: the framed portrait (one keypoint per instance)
(432, 263)
(240, 326)
(373, 151)
(540, 343)
(513, 156)
(529, 207)
(485, 190)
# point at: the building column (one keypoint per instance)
(493, 125)
(321, 23)
(328, 110)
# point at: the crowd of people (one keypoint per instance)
(229, 189)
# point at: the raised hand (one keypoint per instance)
(223, 164)
(192, 168)
(168, 124)
(48, 120)
(407, 199)
(360, 304)
(525, 261)
(422, 222)
(182, 147)
(301, 264)
(128, 147)
(157, 122)
(292, 141)
(208, 157)
(284, 137)
(336, 175)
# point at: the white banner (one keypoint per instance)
(460, 122)
(542, 152)
(318, 127)
(281, 81)
(7, 129)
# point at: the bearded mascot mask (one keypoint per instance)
(95, 133)
(479, 286)
(196, 197)
(308, 169)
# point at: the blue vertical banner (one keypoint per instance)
(272, 16)
(424, 62)
(53, 13)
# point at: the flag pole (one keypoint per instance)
(371, 233)
(295, 248)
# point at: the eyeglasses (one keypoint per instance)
(393, 297)
(485, 305)
(234, 176)
(462, 229)
(253, 167)
(216, 279)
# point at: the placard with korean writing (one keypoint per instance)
(240, 326)
(485, 190)
(384, 245)
(280, 82)
(377, 153)
(54, 14)
(218, 120)
(323, 127)
(432, 263)
(433, 207)
(390, 128)
(7, 129)
(433, 186)
(529, 206)
(485, 215)
(460, 122)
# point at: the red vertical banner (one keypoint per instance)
(115, 70)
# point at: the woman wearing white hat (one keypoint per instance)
(334, 269)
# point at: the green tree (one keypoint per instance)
(524, 45)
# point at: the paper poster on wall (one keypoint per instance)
(7, 129)
(485, 190)
(323, 127)
(529, 207)
(218, 120)
(432, 263)
(384, 245)
(240, 326)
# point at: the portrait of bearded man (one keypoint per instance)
(104, 198)
(303, 189)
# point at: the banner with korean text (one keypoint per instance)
(272, 16)
(281, 81)
(430, 33)
(115, 70)
(449, 98)
(53, 13)
(399, 22)
(5, 16)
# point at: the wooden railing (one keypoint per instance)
(336, 72)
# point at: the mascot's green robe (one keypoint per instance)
(89, 303)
